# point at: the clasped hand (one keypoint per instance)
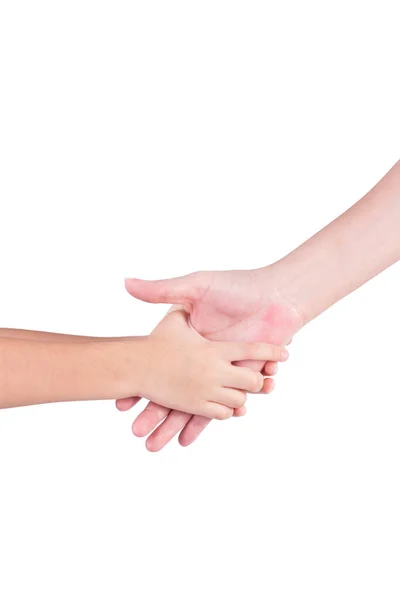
(225, 306)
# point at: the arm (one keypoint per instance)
(192, 373)
(33, 372)
(347, 253)
(350, 251)
(44, 336)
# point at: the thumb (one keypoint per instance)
(165, 291)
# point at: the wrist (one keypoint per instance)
(292, 278)
(287, 285)
(129, 359)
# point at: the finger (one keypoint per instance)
(257, 351)
(243, 378)
(270, 368)
(214, 410)
(240, 412)
(169, 291)
(126, 403)
(149, 418)
(254, 365)
(268, 387)
(233, 398)
(164, 433)
(193, 429)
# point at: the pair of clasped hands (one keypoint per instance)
(225, 306)
(271, 304)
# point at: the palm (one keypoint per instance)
(228, 302)
(237, 305)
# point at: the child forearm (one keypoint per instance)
(33, 372)
(44, 336)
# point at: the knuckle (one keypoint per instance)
(257, 382)
(260, 382)
(224, 413)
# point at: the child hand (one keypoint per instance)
(184, 371)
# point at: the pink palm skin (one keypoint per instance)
(223, 306)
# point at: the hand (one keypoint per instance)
(243, 305)
(185, 372)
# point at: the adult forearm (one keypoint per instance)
(351, 250)
(33, 372)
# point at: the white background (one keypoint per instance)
(155, 138)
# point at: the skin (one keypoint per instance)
(174, 366)
(273, 303)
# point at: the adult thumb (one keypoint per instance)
(179, 290)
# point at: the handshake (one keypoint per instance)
(197, 365)
(208, 351)
(223, 337)
(262, 305)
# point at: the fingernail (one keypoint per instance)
(285, 354)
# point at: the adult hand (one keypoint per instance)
(272, 303)
(223, 305)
